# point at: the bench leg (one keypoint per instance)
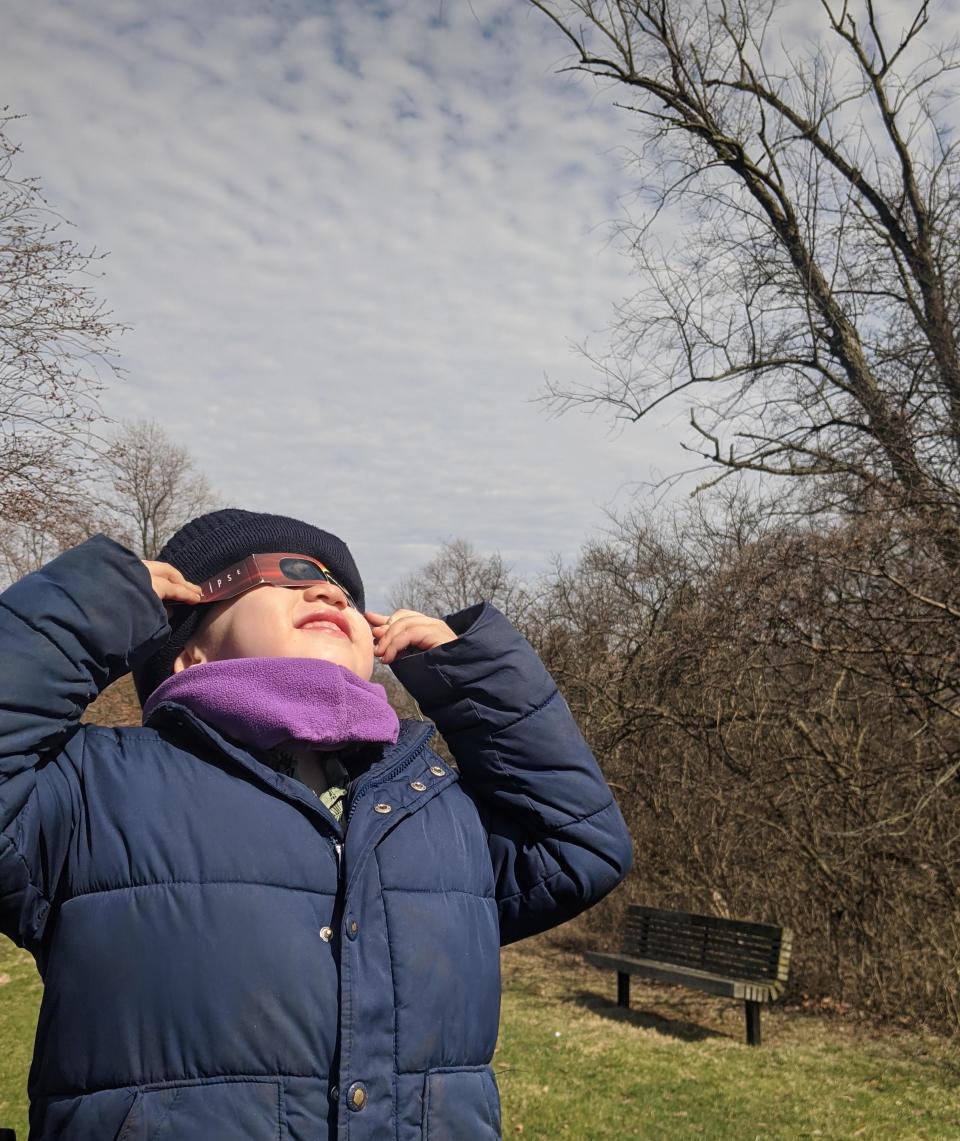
(623, 989)
(753, 1023)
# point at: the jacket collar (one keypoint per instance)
(171, 715)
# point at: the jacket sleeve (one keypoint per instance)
(66, 632)
(557, 839)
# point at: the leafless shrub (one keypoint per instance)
(56, 345)
(779, 719)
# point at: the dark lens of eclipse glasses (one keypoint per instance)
(300, 569)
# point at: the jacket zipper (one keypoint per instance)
(337, 844)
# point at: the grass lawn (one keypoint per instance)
(20, 990)
(571, 1064)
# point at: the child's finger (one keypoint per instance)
(179, 592)
(389, 619)
(412, 629)
(180, 585)
(388, 638)
(165, 578)
(190, 588)
(173, 575)
(163, 570)
(170, 585)
(391, 645)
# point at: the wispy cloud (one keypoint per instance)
(351, 239)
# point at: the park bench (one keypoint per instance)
(721, 956)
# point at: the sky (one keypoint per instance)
(352, 239)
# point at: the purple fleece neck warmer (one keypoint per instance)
(266, 701)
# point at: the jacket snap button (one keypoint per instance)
(334, 1093)
(357, 1096)
(418, 786)
(383, 809)
(326, 934)
(437, 771)
(353, 928)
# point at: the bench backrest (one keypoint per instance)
(729, 947)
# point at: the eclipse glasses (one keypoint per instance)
(282, 569)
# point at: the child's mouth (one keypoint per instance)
(325, 627)
(325, 620)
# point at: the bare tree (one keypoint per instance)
(458, 577)
(807, 309)
(56, 343)
(143, 488)
(153, 488)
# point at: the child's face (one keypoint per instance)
(314, 621)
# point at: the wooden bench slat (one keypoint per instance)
(748, 927)
(699, 935)
(712, 933)
(760, 990)
(684, 947)
(710, 938)
(741, 961)
(733, 927)
(740, 969)
(711, 968)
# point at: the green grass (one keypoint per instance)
(20, 991)
(571, 1064)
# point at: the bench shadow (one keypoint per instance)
(678, 1028)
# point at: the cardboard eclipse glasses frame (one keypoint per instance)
(275, 569)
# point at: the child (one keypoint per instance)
(272, 911)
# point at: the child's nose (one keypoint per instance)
(325, 592)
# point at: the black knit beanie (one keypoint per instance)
(211, 542)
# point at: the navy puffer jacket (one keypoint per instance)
(223, 962)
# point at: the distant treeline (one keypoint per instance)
(775, 703)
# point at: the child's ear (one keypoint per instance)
(190, 655)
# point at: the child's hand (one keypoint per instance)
(406, 629)
(170, 584)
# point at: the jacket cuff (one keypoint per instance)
(96, 603)
(488, 678)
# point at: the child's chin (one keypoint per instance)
(348, 661)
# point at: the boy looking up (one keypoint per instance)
(272, 911)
